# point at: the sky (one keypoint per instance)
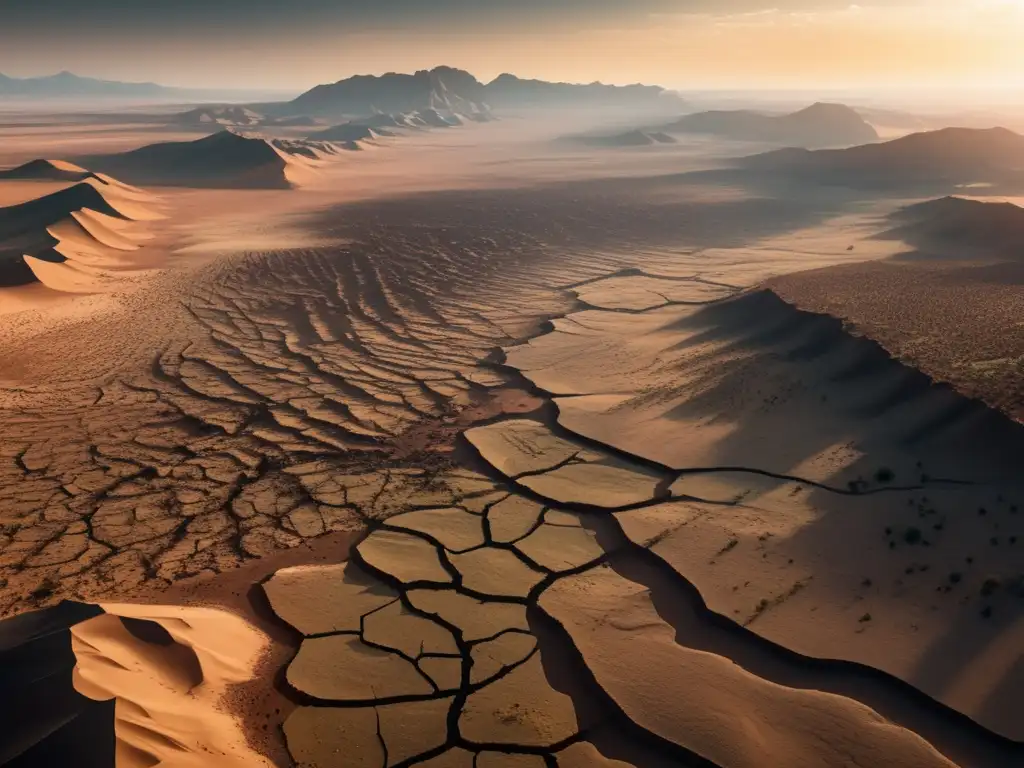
(686, 44)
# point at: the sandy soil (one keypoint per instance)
(530, 394)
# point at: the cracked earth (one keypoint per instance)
(446, 637)
(606, 499)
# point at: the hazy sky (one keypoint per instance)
(677, 43)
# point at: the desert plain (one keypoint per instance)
(484, 442)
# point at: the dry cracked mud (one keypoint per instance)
(266, 399)
(557, 618)
(546, 499)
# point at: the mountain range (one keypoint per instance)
(445, 89)
(65, 84)
(509, 91)
(455, 90)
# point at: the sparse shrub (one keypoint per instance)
(989, 586)
(46, 588)
(956, 577)
(986, 612)
(885, 475)
(912, 535)
(864, 618)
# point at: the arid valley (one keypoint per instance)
(428, 422)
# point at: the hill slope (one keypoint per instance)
(949, 156)
(74, 238)
(820, 125)
(223, 159)
(962, 227)
(47, 170)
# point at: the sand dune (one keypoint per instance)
(167, 670)
(46, 721)
(224, 159)
(71, 240)
(47, 170)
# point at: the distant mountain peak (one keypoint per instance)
(820, 125)
(67, 84)
(452, 89)
(828, 108)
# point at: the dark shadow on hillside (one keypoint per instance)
(46, 721)
(793, 385)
